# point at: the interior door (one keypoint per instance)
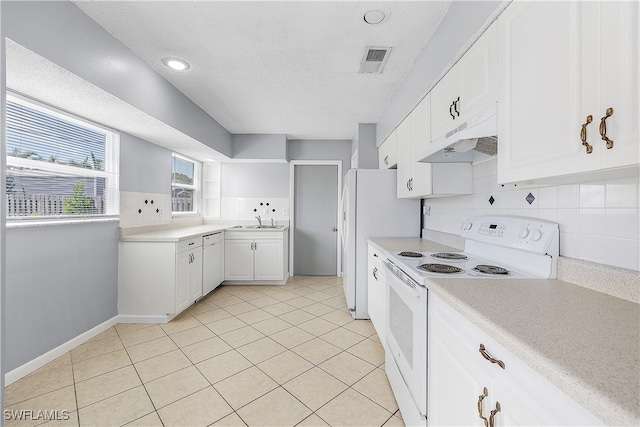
(315, 220)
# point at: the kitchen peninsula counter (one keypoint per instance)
(173, 234)
(584, 342)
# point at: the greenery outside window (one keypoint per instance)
(184, 184)
(58, 165)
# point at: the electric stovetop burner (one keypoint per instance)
(440, 268)
(449, 256)
(490, 269)
(409, 254)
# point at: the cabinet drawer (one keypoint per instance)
(188, 244)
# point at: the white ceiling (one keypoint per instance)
(276, 67)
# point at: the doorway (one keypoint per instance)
(314, 218)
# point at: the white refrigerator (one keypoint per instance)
(370, 208)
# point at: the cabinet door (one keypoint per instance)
(195, 275)
(456, 382)
(387, 154)
(619, 88)
(518, 409)
(238, 260)
(541, 86)
(477, 75)
(183, 281)
(382, 154)
(420, 141)
(405, 158)
(376, 292)
(443, 115)
(269, 260)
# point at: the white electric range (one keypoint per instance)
(496, 247)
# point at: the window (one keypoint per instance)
(58, 165)
(184, 184)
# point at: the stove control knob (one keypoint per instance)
(466, 225)
(536, 235)
(524, 232)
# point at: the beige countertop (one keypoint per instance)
(584, 342)
(174, 234)
(182, 233)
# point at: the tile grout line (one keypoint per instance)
(292, 323)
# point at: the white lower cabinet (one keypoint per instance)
(238, 256)
(256, 256)
(188, 277)
(464, 386)
(158, 279)
(376, 292)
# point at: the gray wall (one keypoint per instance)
(365, 142)
(63, 34)
(254, 180)
(61, 281)
(144, 167)
(261, 146)
(317, 149)
(461, 22)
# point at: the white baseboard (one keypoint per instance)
(133, 318)
(31, 366)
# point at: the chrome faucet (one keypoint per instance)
(259, 220)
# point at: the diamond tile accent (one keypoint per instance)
(530, 198)
(491, 200)
(244, 355)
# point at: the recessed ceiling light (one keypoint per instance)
(176, 63)
(374, 16)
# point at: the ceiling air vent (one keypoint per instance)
(374, 60)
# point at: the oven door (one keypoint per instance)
(407, 333)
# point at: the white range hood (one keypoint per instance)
(472, 141)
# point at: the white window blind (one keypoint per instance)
(58, 165)
(184, 184)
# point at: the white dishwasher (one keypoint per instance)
(213, 261)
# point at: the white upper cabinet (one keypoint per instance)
(416, 179)
(421, 184)
(467, 89)
(568, 72)
(387, 152)
(405, 160)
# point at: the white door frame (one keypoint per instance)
(293, 164)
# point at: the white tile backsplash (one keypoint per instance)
(622, 253)
(599, 221)
(622, 193)
(592, 222)
(139, 209)
(241, 208)
(592, 195)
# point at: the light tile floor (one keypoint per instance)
(245, 355)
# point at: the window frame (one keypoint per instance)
(196, 186)
(111, 172)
